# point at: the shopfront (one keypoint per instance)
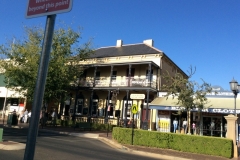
(209, 122)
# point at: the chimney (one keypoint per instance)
(148, 42)
(119, 43)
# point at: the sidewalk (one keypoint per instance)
(107, 139)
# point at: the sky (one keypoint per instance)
(200, 33)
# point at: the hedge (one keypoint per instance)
(215, 146)
(94, 126)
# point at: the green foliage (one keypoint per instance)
(189, 93)
(94, 126)
(181, 142)
(102, 127)
(64, 123)
(22, 58)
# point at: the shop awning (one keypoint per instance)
(215, 105)
(163, 102)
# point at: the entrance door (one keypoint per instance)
(128, 107)
(213, 126)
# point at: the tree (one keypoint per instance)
(189, 93)
(21, 61)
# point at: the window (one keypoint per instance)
(97, 75)
(110, 110)
(132, 72)
(14, 101)
(79, 106)
(94, 107)
(85, 111)
(128, 107)
(114, 75)
(147, 75)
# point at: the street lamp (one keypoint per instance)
(235, 87)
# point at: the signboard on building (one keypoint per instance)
(137, 96)
(207, 110)
(163, 122)
(37, 8)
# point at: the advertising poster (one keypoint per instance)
(163, 121)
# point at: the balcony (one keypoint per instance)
(123, 82)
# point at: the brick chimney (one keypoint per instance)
(148, 42)
(119, 43)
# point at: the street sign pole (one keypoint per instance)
(39, 88)
(134, 110)
(132, 128)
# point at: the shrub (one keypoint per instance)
(181, 142)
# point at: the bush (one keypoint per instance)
(94, 126)
(99, 127)
(65, 123)
(181, 142)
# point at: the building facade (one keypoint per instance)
(114, 75)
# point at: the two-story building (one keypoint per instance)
(119, 76)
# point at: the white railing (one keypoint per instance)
(133, 82)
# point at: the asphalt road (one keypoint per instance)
(53, 146)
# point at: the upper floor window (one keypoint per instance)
(149, 76)
(114, 75)
(132, 72)
(97, 75)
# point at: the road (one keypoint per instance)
(54, 146)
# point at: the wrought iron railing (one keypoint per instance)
(123, 82)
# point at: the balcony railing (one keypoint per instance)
(124, 82)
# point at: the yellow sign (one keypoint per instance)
(134, 108)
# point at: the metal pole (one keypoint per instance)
(75, 106)
(125, 111)
(235, 96)
(132, 129)
(107, 128)
(91, 106)
(106, 121)
(146, 115)
(39, 88)
(235, 112)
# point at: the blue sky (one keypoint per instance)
(201, 33)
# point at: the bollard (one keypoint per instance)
(1, 134)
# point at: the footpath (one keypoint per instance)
(106, 137)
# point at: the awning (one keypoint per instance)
(163, 102)
(215, 105)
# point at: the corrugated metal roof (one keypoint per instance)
(125, 50)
